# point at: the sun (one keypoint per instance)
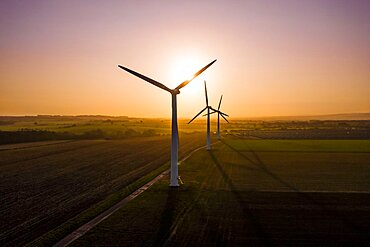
(183, 68)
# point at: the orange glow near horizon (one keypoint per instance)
(291, 58)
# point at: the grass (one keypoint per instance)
(44, 185)
(246, 193)
(338, 146)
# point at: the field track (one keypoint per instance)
(44, 184)
(86, 227)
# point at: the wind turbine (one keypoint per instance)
(175, 135)
(208, 108)
(219, 113)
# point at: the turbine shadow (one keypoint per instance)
(262, 236)
(182, 204)
(168, 216)
(306, 197)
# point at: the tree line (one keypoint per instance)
(30, 135)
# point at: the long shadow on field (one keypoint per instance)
(168, 217)
(175, 211)
(248, 215)
(258, 163)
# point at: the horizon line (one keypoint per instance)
(157, 117)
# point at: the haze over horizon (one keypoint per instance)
(286, 58)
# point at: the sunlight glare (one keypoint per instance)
(183, 68)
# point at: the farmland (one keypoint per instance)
(47, 128)
(256, 192)
(43, 184)
(267, 182)
(112, 126)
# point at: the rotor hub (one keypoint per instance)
(175, 91)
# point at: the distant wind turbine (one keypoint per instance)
(220, 113)
(208, 108)
(175, 135)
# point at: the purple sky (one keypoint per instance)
(274, 57)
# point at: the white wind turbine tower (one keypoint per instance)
(208, 108)
(175, 136)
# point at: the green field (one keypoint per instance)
(247, 192)
(323, 146)
(109, 125)
(44, 184)
(85, 127)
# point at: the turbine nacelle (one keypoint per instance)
(175, 91)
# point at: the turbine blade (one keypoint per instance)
(195, 75)
(219, 104)
(209, 113)
(224, 118)
(155, 83)
(213, 109)
(205, 89)
(197, 115)
(223, 113)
